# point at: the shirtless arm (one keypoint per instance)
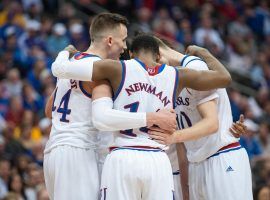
(216, 77)
(109, 70)
(48, 106)
(206, 126)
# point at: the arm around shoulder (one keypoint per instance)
(63, 68)
(218, 74)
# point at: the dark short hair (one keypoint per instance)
(105, 21)
(145, 42)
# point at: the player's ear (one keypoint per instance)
(131, 54)
(158, 57)
(109, 40)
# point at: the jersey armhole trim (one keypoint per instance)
(183, 59)
(193, 60)
(84, 91)
(122, 80)
(175, 87)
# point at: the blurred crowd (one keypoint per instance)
(32, 32)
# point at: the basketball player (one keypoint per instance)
(139, 87)
(218, 165)
(101, 97)
(70, 166)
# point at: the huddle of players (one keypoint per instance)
(125, 98)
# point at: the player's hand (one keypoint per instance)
(161, 136)
(71, 49)
(194, 50)
(239, 128)
(166, 119)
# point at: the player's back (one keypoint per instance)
(71, 112)
(188, 115)
(143, 89)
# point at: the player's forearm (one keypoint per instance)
(105, 118)
(48, 106)
(204, 127)
(174, 57)
(65, 69)
(215, 65)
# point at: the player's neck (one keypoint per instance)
(97, 50)
(147, 59)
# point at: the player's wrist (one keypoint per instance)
(202, 53)
(151, 119)
(177, 137)
(174, 58)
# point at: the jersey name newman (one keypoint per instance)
(136, 87)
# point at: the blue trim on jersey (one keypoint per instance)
(193, 60)
(233, 149)
(84, 91)
(77, 54)
(183, 59)
(175, 88)
(122, 80)
(137, 149)
(141, 63)
(160, 69)
(81, 55)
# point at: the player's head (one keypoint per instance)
(163, 47)
(110, 29)
(145, 44)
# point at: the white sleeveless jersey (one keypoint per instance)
(143, 89)
(71, 113)
(188, 115)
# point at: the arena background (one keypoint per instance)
(33, 31)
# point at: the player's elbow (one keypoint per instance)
(54, 68)
(58, 69)
(98, 123)
(226, 79)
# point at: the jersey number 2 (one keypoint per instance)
(63, 107)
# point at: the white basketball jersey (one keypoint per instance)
(188, 115)
(71, 113)
(144, 89)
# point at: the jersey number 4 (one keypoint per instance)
(63, 107)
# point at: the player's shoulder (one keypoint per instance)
(193, 62)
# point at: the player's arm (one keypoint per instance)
(216, 77)
(183, 168)
(211, 61)
(48, 106)
(109, 70)
(208, 125)
(105, 118)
